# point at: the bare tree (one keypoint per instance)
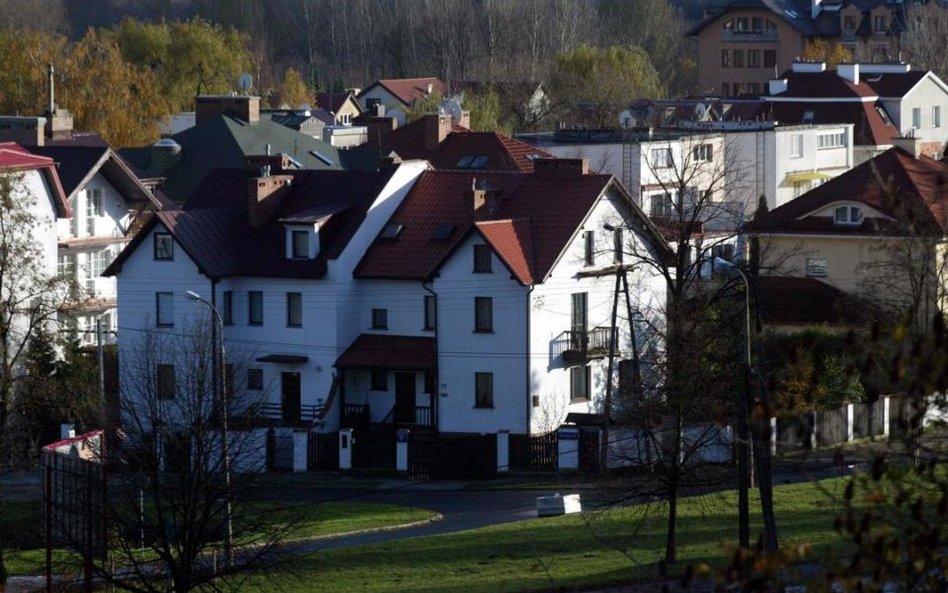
(926, 30)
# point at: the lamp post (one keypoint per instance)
(221, 384)
(743, 432)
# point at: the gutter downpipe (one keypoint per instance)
(529, 397)
(435, 407)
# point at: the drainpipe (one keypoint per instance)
(529, 398)
(437, 386)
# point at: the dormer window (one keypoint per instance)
(848, 215)
(391, 231)
(302, 242)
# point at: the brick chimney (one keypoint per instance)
(486, 202)
(25, 131)
(264, 194)
(207, 107)
(561, 166)
(437, 128)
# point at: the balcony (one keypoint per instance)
(265, 414)
(408, 416)
(579, 347)
(749, 36)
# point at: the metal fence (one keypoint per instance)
(537, 453)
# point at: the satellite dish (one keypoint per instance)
(397, 115)
(701, 110)
(626, 120)
(245, 82)
(453, 108)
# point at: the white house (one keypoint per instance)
(486, 301)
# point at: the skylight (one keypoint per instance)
(325, 159)
(442, 232)
(392, 230)
(293, 161)
(472, 162)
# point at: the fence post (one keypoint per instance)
(773, 436)
(345, 448)
(850, 422)
(401, 449)
(568, 448)
(300, 451)
(886, 416)
(503, 451)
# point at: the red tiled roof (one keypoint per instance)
(552, 205)
(911, 191)
(806, 301)
(869, 128)
(380, 351)
(407, 90)
(503, 153)
(513, 242)
(14, 157)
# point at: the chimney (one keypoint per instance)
(264, 195)
(486, 202)
(815, 8)
(848, 72)
(437, 128)
(51, 85)
(909, 144)
(465, 120)
(25, 131)
(561, 166)
(58, 121)
(808, 67)
(775, 86)
(244, 107)
(276, 162)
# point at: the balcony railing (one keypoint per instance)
(274, 413)
(579, 347)
(749, 36)
(356, 415)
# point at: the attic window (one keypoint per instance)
(302, 243)
(325, 159)
(848, 215)
(472, 162)
(442, 233)
(392, 230)
(296, 164)
(808, 116)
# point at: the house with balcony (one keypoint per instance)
(272, 248)
(485, 301)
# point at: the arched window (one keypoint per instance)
(848, 215)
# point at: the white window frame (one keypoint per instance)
(164, 309)
(848, 214)
(703, 153)
(662, 158)
(831, 140)
(815, 267)
(916, 118)
(796, 146)
(936, 116)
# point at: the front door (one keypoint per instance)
(290, 383)
(405, 398)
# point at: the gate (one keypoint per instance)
(536, 453)
(323, 451)
(589, 450)
(433, 456)
(373, 448)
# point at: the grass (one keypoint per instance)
(593, 549)
(21, 524)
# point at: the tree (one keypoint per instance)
(26, 55)
(597, 84)
(178, 488)
(30, 297)
(820, 50)
(926, 29)
(293, 91)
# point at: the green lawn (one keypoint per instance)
(592, 549)
(20, 522)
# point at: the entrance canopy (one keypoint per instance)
(403, 353)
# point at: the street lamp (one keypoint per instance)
(743, 436)
(219, 373)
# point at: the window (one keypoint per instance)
(164, 247)
(916, 117)
(579, 383)
(660, 205)
(618, 246)
(757, 23)
(796, 146)
(379, 318)
(589, 248)
(345, 119)
(936, 116)
(725, 89)
(849, 23)
(483, 314)
(770, 58)
(815, 268)
(662, 157)
(431, 312)
(483, 390)
(834, 140)
(579, 320)
(753, 58)
(391, 231)
(300, 244)
(294, 309)
(255, 379)
(93, 208)
(753, 88)
(164, 381)
(254, 307)
(848, 215)
(164, 309)
(800, 188)
(482, 259)
(702, 153)
(66, 265)
(738, 58)
(880, 23)
(227, 307)
(725, 58)
(379, 380)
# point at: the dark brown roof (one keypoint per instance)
(537, 216)
(215, 232)
(912, 191)
(826, 84)
(379, 351)
(893, 84)
(806, 301)
(334, 101)
(869, 128)
(501, 153)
